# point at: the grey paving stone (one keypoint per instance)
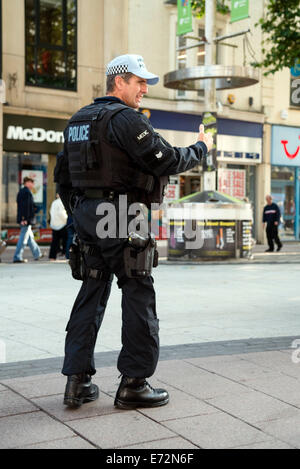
(168, 443)
(216, 431)
(276, 361)
(66, 443)
(196, 382)
(12, 404)
(286, 429)
(235, 368)
(121, 429)
(38, 386)
(31, 428)
(180, 405)
(54, 405)
(271, 444)
(252, 406)
(278, 385)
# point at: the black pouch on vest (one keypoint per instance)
(140, 256)
(76, 259)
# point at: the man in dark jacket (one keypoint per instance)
(25, 218)
(271, 218)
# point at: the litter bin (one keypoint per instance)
(209, 225)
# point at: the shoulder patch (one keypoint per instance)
(141, 136)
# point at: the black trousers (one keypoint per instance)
(140, 341)
(59, 240)
(272, 234)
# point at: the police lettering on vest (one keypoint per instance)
(79, 133)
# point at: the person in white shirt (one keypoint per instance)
(58, 223)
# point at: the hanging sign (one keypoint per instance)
(239, 10)
(295, 85)
(184, 18)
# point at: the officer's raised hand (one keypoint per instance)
(205, 137)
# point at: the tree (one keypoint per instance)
(281, 32)
(281, 27)
(199, 7)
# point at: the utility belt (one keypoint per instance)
(140, 256)
(108, 194)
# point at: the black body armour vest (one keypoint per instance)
(96, 163)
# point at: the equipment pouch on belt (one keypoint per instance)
(140, 255)
(76, 259)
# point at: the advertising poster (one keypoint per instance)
(246, 238)
(232, 182)
(37, 176)
(218, 239)
(172, 190)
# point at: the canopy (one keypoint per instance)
(209, 196)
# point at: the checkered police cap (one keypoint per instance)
(131, 63)
(117, 69)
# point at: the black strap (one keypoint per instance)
(91, 250)
(100, 275)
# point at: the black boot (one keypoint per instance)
(137, 392)
(79, 390)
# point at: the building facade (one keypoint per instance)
(53, 62)
(54, 54)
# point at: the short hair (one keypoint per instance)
(27, 179)
(110, 80)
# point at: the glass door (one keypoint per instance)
(283, 191)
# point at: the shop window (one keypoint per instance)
(283, 192)
(15, 167)
(51, 43)
(181, 60)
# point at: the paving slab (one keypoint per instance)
(252, 407)
(66, 443)
(196, 382)
(236, 368)
(30, 428)
(53, 405)
(280, 386)
(38, 386)
(180, 405)
(121, 429)
(270, 444)
(285, 429)
(165, 443)
(12, 404)
(216, 431)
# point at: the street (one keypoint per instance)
(195, 304)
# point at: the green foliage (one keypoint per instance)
(281, 46)
(199, 7)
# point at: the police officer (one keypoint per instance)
(111, 150)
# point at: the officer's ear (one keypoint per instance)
(119, 83)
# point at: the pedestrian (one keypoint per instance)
(58, 223)
(114, 154)
(26, 218)
(271, 220)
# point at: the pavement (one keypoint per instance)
(231, 366)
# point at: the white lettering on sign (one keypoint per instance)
(295, 95)
(35, 134)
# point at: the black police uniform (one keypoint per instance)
(147, 155)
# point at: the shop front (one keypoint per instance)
(30, 145)
(239, 145)
(285, 174)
